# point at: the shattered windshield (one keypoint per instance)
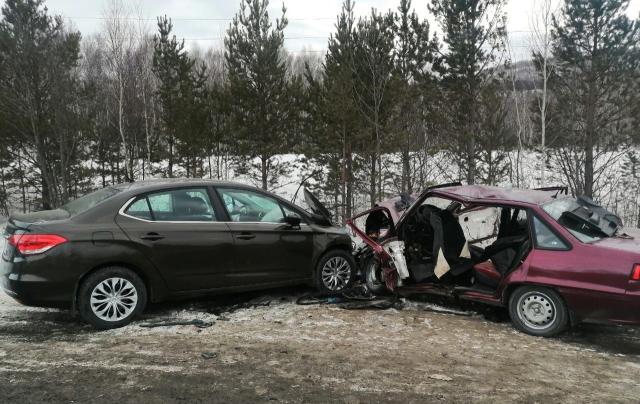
(587, 221)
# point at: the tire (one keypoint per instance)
(372, 275)
(335, 271)
(123, 286)
(538, 311)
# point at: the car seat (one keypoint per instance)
(499, 258)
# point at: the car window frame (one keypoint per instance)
(532, 229)
(278, 200)
(206, 188)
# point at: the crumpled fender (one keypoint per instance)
(383, 257)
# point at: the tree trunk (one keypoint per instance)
(121, 127)
(406, 170)
(147, 134)
(170, 168)
(343, 179)
(373, 179)
(349, 178)
(588, 165)
(264, 170)
(471, 161)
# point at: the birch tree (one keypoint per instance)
(541, 49)
(118, 42)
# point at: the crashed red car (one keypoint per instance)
(550, 259)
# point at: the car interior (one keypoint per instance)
(448, 243)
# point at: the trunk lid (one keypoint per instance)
(627, 240)
(23, 221)
(40, 216)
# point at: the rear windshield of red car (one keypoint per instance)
(582, 231)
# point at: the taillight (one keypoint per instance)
(635, 273)
(29, 244)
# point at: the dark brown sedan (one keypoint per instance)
(110, 252)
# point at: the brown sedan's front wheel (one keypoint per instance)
(335, 271)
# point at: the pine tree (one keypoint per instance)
(258, 89)
(373, 67)
(595, 83)
(172, 67)
(474, 33)
(336, 113)
(38, 94)
(414, 52)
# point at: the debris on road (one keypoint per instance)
(209, 355)
(440, 377)
(170, 323)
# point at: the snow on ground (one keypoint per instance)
(263, 346)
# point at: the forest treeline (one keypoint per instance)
(390, 93)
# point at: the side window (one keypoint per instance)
(139, 209)
(161, 204)
(248, 206)
(546, 238)
(179, 205)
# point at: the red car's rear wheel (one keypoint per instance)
(538, 311)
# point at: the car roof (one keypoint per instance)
(470, 193)
(160, 183)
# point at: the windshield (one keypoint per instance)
(585, 221)
(88, 201)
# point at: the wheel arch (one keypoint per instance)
(151, 289)
(330, 247)
(510, 288)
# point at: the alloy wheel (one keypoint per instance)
(113, 299)
(336, 273)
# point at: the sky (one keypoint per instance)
(202, 23)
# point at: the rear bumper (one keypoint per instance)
(34, 288)
(32, 293)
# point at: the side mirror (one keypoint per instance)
(293, 220)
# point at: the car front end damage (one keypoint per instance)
(525, 250)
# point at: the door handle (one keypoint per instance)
(152, 236)
(246, 236)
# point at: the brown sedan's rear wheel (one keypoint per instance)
(111, 297)
(538, 311)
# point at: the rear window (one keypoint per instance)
(562, 211)
(88, 201)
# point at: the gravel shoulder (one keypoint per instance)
(264, 347)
